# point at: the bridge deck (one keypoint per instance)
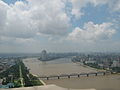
(73, 74)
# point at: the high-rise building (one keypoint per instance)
(44, 55)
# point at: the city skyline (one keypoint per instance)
(59, 26)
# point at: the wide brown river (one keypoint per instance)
(65, 66)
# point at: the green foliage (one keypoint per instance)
(17, 83)
(12, 70)
(35, 81)
(93, 65)
(29, 79)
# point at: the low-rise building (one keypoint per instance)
(91, 61)
(115, 63)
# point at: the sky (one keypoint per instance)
(30, 26)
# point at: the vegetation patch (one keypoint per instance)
(19, 75)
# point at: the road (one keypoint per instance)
(21, 77)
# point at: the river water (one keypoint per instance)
(55, 67)
(65, 66)
(108, 82)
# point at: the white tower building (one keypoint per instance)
(44, 55)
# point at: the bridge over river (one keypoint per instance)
(73, 75)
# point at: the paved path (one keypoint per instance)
(21, 77)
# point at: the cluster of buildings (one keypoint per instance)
(101, 60)
(6, 63)
(116, 63)
(105, 61)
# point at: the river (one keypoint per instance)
(108, 82)
(55, 67)
(65, 66)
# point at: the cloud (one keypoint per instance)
(26, 20)
(34, 24)
(92, 32)
(37, 17)
(78, 5)
(50, 17)
(14, 23)
(3, 12)
(115, 5)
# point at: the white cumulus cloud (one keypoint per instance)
(34, 23)
(26, 20)
(92, 32)
(77, 5)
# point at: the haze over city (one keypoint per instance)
(59, 44)
(30, 26)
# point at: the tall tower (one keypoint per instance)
(44, 55)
